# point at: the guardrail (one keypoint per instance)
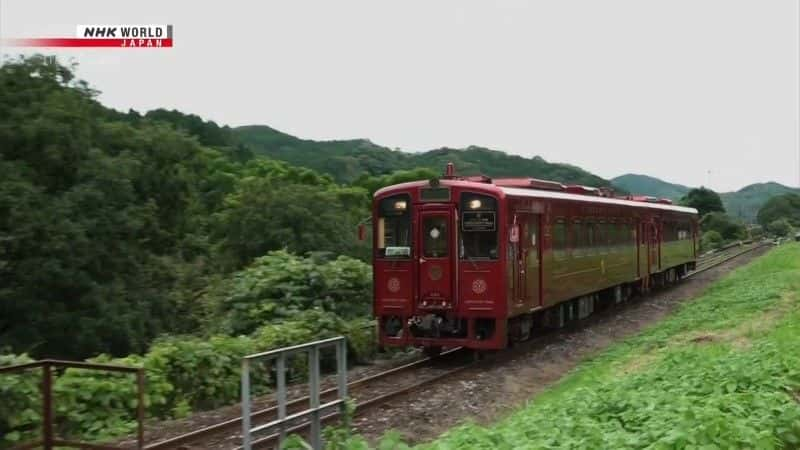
(315, 408)
(49, 439)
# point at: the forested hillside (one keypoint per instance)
(114, 226)
(347, 160)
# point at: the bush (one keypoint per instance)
(204, 373)
(780, 227)
(20, 408)
(711, 240)
(281, 285)
(727, 227)
(99, 405)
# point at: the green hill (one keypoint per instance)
(742, 204)
(348, 159)
(746, 202)
(647, 185)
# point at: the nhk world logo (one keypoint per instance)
(108, 36)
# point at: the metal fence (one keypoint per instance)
(315, 408)
(49, 439)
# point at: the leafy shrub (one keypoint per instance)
(728, 227)
(281, 285)
(711, 240)
(20, 408)
(204, 373)
(101, 405)
(780, 227)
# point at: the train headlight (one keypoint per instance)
(474, 204)
(400, 205)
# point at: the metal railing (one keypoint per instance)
(315, 408)
(49, 439)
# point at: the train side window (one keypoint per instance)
(602, 237)
(683, 231)
(559, 239)
(577, 238)
(623, 234)
(589, 238)
(608, 236)
(667, 229)
(612, 237)
(393, 229)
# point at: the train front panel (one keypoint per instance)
(438, 265)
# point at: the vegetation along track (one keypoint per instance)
(380, 388)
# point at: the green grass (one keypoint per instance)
(721, 372)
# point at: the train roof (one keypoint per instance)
(535, 188)
(537, 193)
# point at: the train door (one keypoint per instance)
(515, 268)
(525, 261)
(642, 252)
(654, 243)
(530, 259)
(437, 260)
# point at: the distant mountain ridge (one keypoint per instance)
(347, 160)
(746, 202)
(647, 185)
(743, 204)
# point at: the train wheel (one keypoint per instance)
(432, 352)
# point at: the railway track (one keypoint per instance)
(378, 389)
(382, 387)
(715, 259)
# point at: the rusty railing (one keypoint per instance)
(49, 440)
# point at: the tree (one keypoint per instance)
(728, 228)
(703, 200)
(372, 184)
(786, 206)
(711, 240)
(781, 227)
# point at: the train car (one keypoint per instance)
(478, 262)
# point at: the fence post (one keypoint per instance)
(341, 372)
(316, 438)
(47, 405)
(246, 404)
(140, 408)
(281, 369)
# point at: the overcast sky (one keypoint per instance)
(667, 88)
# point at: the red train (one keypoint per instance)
(477, 262)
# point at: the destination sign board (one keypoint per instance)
(478, 221)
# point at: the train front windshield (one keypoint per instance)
(478, 227)
(394, 227)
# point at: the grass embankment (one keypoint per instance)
(722, 372)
